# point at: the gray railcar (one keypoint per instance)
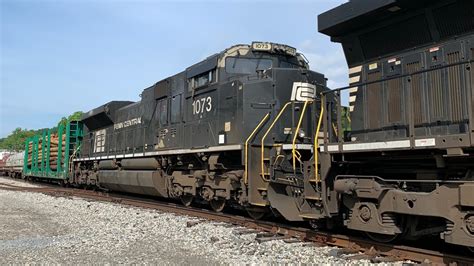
(405, 168)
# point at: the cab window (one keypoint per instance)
(202, 79)
(284, 64)
(238, 65)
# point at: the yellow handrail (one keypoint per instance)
(278, 157)
(316, 139)
(246, 146)
(265, 135)
(293, 147)
(335, 129)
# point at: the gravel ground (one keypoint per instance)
(37, 228)
(15, 182)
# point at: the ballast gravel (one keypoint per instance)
(36, 228)
(15, 182)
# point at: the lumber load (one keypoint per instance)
(54, 142)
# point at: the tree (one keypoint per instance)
(76, 116)
(62, 122)
(16, 140)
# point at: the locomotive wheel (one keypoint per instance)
(186, 199)
(382, 238)
(256, 213)
(317, 224)
(217, 204)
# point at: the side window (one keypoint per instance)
(202, 79)
(176, 109)
(162, 112)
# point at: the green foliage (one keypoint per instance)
(346, 118)
(16, 140)
(61, 122)
(74, 117)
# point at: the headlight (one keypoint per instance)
(301, 133)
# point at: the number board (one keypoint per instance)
(262, 46)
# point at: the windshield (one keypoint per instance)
(284, 64)
(246, 65)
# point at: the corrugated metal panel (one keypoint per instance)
(394, 90)
(455, 86)
(455, 18)
(471, 88)
(374, 100)
(416, 91)
(414, 32)
(436, 95)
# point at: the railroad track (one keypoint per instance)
(360, 248)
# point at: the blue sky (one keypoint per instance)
(58, 57)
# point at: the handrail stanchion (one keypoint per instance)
(295, 135)
(246, 146)
(265, 135)
(316, 139)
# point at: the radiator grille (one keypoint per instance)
(394, 90)
(436, 95)
(455, 18)
(414, 31)
(374, 99)
(455, 86)
(472, 73)
(416, 91)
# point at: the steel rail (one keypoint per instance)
(371, 249)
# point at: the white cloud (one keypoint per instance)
(332, 65)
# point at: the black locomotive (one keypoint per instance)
(216, 132)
